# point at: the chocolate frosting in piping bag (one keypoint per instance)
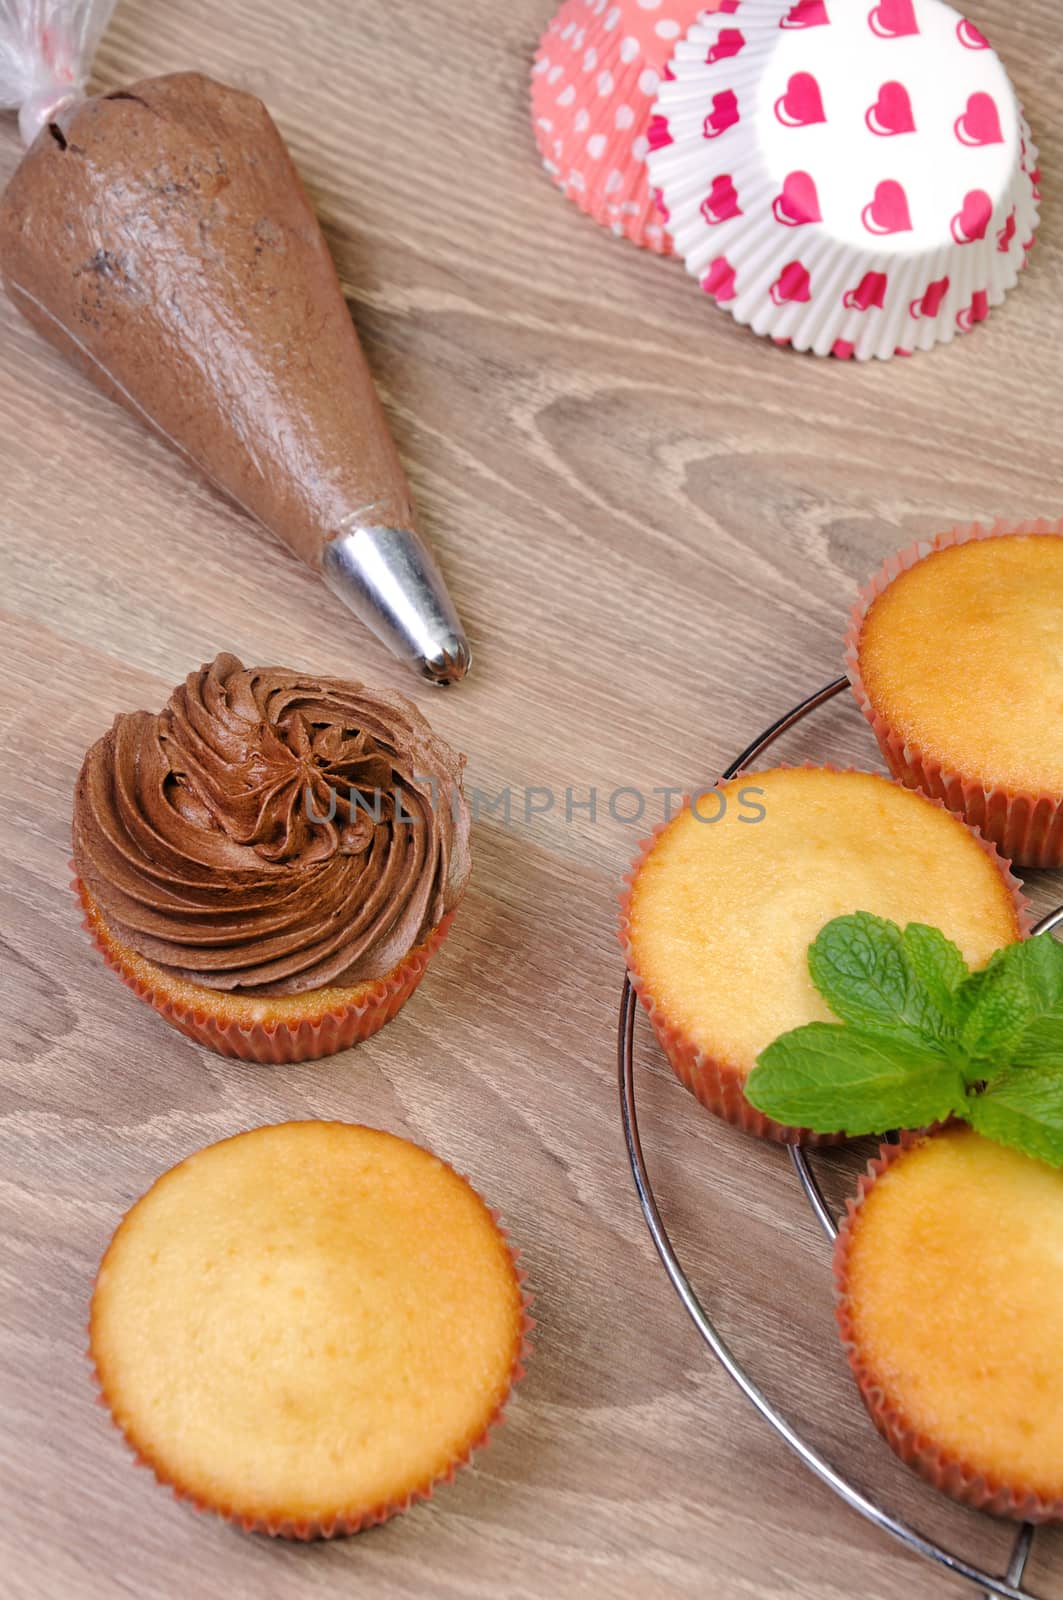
(272, 832)
(161, 238)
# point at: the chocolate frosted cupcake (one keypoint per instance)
(271, 860)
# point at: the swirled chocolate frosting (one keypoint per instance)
(272, 832)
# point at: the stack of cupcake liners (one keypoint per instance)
(850, 177)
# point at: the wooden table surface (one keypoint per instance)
(654, 525)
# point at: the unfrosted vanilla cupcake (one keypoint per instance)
(306, 1328)
(719, 914)
(955, 653)
(272, 859)
(950, 1306)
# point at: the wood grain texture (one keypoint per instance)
(654, 525)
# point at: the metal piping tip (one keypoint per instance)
(389, 579)
(450, 666)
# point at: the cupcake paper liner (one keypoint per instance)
(939, 1467)
(595, 77)
(853, 178)
(1026, 826)
(719, 1085)
(307, 1530)
(335, 1027)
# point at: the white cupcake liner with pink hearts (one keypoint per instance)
(852, 177)
(594, 82)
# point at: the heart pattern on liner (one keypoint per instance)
(799, 201)
(888, 212)
(893, 19)
(721, 202)
(806, 14)
(970, 36)
(980, 123)
(793, 283)
(930, 301)
(971, 221)
(724, 114)
(977, 311)
(891, 113)
(720, 280)
(658, 133)
(730, 43)
(869, 293)
(802, 104)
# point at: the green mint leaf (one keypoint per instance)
(921, 1039)
(1023, 1109)
(1039, 964)
(834, 1079)
(863, 968)
(991, 1007)
(937, 964)
(1040, 961)
(997, 1010)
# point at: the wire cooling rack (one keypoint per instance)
(1009, 1586)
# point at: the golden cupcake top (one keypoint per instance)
(270, 832)
(961, 656)
(952, 1306)
(306, 1325)
(721, 913)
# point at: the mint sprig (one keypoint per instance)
(845, 1080)
(921, 1038)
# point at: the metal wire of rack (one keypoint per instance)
(1009, 1586)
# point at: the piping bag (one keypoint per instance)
(160, 237)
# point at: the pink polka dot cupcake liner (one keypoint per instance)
(852, 177)
(595, 79)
